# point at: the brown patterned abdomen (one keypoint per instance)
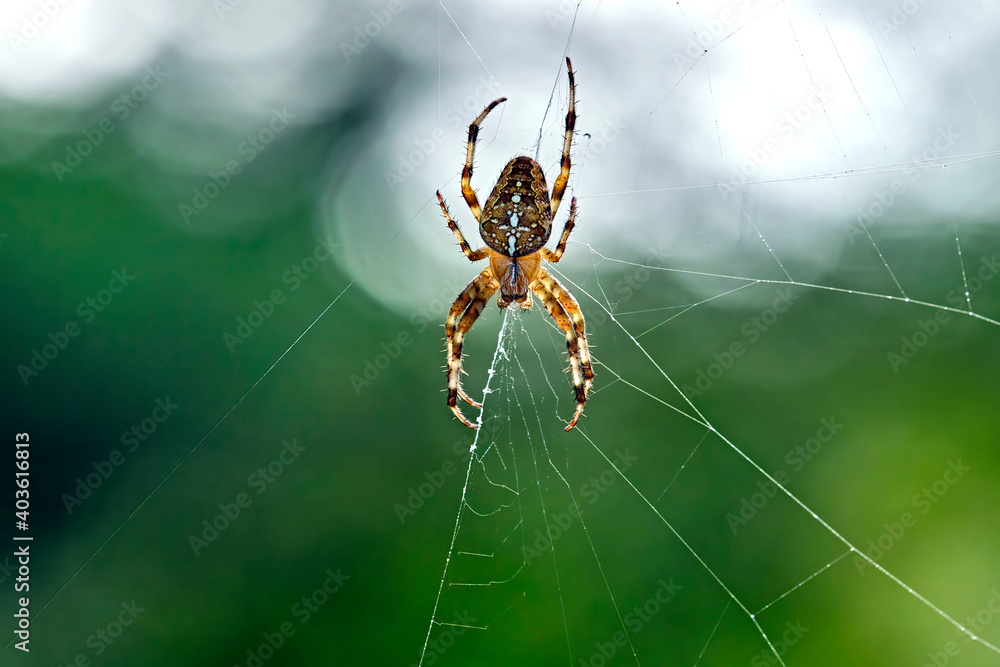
(516, 218)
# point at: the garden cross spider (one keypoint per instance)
(515, 224)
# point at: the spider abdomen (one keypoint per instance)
(516, 218)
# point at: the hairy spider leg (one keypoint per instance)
(468, 305)
(572, 308)
(560, 185)
(467, 191)
(556, 255)
(565, 311)
(473, 255)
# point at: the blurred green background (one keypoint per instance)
(315, 438)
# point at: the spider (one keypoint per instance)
(515, 225)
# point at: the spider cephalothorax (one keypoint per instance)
(515, 225)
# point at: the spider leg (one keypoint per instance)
(560, 185)
(467, 191)
(473, 255)
(463, 314)
(556, 255)
(458, 308)
(572, 308)
(566, 312)
(465, 397)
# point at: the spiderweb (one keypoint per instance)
(793, 318)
